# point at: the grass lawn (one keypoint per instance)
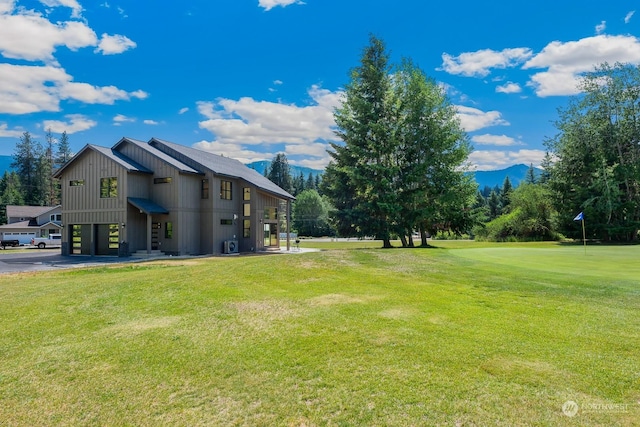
(462, 334)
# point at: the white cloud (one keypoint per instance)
(492, 160)
(601, 27)
(628, 17)
(183, 110)
(234, 151)
(97, 95)
(481, 62)
(6, 6)
(150, 122)
(76, 9)
(5, 132)
(509, 87)
(246, 122)
(76, 123)
(473, 119)
(30, 36)
(566, 62)
(498, 140)
(277, 82)
(119, 119)
(270, 4)
(112, 45)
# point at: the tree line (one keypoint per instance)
(399, 167)
(31, 181)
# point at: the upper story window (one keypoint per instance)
(246, 193)
(270, 213)
(55, 217)
(164, 180)
(76, 183)
(225, 190)
(108, 187)
(204, 189)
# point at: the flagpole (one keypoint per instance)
(584, 237)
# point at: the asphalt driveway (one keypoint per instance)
(14, 261)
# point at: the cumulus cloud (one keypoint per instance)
(112, 45)
(566, 62)
(509, 87)
(5, 132)
(480, 63)
(75, 7)
(473, 119)
(601, 27)
(32, 37)
(150, 122)
(238, 152)
(493, 160)
(498, 140)
(75, 123)
(270, 4)
(119, 119)
(245, 122)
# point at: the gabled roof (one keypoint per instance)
(121, 159)
(14, 211)
(157, 153)
(221, 165)
(28, 224)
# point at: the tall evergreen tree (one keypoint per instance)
(27, 158)
(364, 164)
(530, 178)
(280, 173)
(505, 195)
(10, 193)
(63, 154)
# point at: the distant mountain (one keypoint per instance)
(261, 166)
(5, 164)
(516, 174)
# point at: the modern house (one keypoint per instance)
(143, 197)
(27, 222)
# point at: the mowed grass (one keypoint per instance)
(460, 334)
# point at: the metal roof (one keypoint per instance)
(117, 157)
(147, 206)
(221, 165)
(182, 167)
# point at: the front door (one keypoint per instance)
(271, 235)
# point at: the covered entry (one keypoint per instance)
(149, 208)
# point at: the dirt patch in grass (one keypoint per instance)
(334, 299)
(138, 326)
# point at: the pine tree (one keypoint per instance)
(26, 162)
(279, 172)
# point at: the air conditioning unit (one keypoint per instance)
(230, 247)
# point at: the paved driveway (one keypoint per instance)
(12, 261)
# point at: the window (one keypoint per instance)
(225, 190)
(271, 213)
(168, 230)
(246, 193)
(108, 187)
(204, 189)
(165, 180)
(246, 208)
(76, 183)
(246, 228)
(55, 217)
(114, 236)
(226, 222)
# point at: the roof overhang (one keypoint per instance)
(147, 206)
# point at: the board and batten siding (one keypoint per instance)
(83, 204)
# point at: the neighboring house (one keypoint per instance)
(27, 222)
(159, 196)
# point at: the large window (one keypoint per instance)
(204, 189)
(225, 190)
(246, 194)
(270, 213)
(108, 187)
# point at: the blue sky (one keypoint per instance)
(251, 78)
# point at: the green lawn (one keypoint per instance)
(459, 334)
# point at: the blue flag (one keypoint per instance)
(579, 217)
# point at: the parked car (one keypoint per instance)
(43, 242)
(9, 242)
